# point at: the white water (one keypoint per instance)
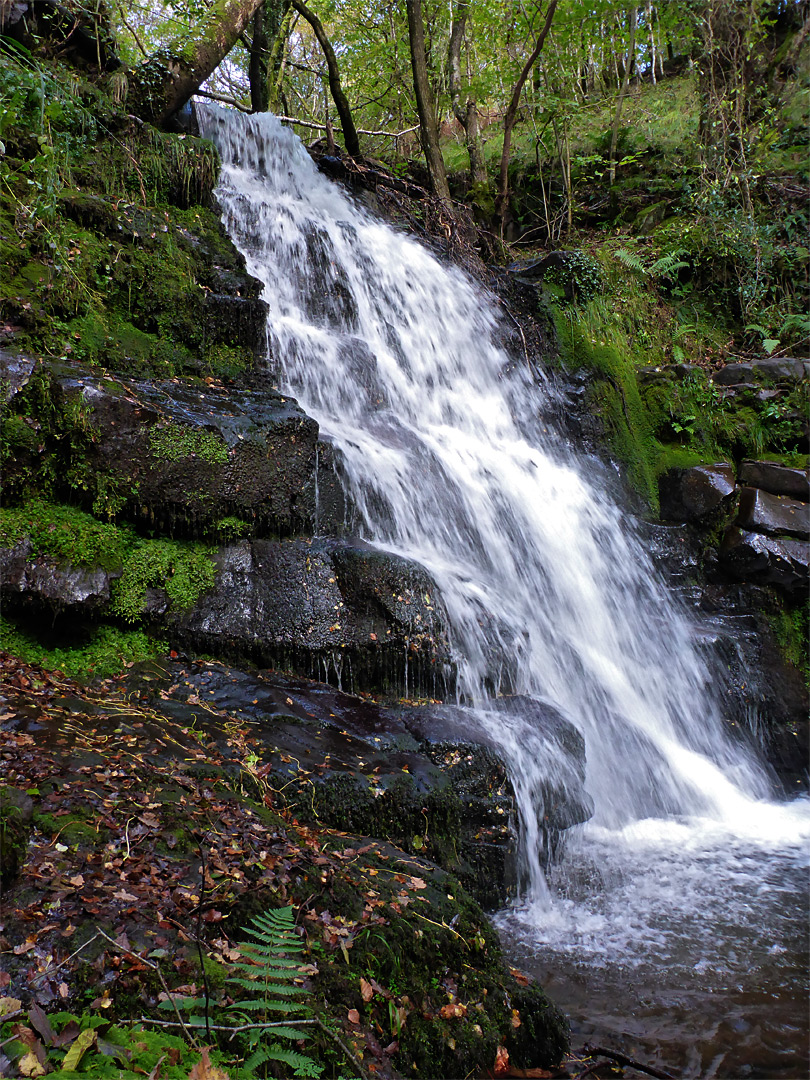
(548, 591)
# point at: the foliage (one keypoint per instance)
(106, 651)
(77, 1047)
(67, 535)
(184, 571)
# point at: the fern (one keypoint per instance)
(630, 260)
(668, 264)
(271, 962)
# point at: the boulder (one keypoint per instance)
(773, 514)
(432, 779)
(45, 580)
(766, 560)
(336, 611)
(694, 494)
(777, 479)
(781, 369)
(183, 456)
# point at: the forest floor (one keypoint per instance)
(148, 839)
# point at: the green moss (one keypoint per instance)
(616, 398)
(70, 829)
(105, 652)
(173, 442)
(791, 626)
(184, 571)
(67, 534)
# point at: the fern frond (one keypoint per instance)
(630, 260)
(668, 264)
(301, 1065)
(262, 1005)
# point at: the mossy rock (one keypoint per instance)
(15, 827)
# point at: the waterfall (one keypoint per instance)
(449, 459)
(687, 877)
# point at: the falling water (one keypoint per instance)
(548, 590)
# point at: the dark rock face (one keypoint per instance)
(185, 455)
(15, 372)
(427, 778)
(773, 514)
(693, 494)
(44, 580)
(324, 607)
(766, 560)
(776, 479)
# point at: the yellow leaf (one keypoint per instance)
(9, 1005)
(83, 1041)
(30, 1065)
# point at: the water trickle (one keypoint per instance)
(548, 590)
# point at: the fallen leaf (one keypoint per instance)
(366, 990)
(30, 1065)
(84, 1040)
(453, 1010)
(501, 1062)
(204, 1070)
(354, 1016)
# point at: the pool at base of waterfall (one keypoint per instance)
(682, 944)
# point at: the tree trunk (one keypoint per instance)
(162, 85)
(467, 116)
(502, 201)
(265, 53)
(428, 129)
(341, 102)
(628, 67)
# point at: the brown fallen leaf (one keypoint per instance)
(204, 1070)
(354, 1016)
(453, 1010)
(366, 990)
(501, 1062)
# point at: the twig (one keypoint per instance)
(50, 971)
(223, 1027)
(336, 1039)
(622, 1059)
(224, 99)
(151, 964)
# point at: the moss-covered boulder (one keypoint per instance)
(15, 826)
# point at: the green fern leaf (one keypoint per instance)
(630, 260)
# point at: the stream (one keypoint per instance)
(675, 920)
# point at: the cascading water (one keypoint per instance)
(548, 591)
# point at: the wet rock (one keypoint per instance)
(777, 479)
(773, 514)
(15, 371)
(766, 560)
(44, 580)
(693, 494)
(184, 456)
(328, 609)
(783, 369)
(430, 778)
